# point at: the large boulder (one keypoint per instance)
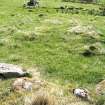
(10, 71)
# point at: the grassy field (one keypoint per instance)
(40, 37)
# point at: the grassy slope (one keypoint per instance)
(51, 48)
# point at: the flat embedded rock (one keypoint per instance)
(21, 84)
(10, 71)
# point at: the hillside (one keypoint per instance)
(67, 45)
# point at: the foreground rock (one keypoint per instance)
(82, 93)
(27, 84)
(10, 71)
(21, 84)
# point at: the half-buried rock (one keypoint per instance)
(94, 49)
(11, 71)
(21, 84)
(82, 93)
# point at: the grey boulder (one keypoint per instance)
(10, 71)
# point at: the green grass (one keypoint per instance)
(27, 39)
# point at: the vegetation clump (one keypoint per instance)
(43, 100)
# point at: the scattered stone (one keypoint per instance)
(31, 4)
(82, 93)
(94, 49)
(10, 71)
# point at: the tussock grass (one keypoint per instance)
(25, 36)
(43, 100)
